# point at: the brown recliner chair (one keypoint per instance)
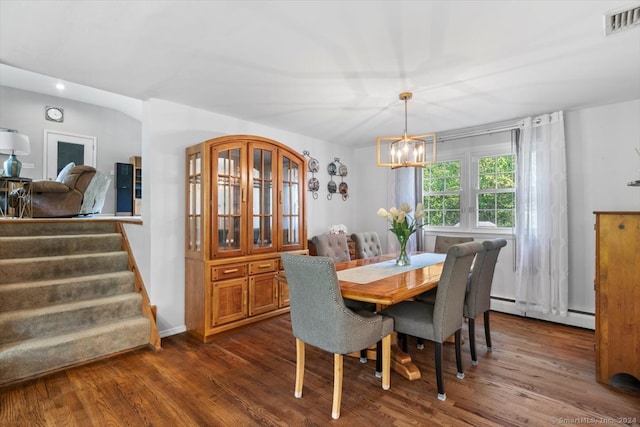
(51, 199)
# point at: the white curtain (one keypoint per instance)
(541, 211)
(403, 190)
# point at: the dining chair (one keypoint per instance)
(441, 246)
(334, 246)
(320, 318)
(478, 297)
(367, 244)
(439, 321)
(443, 243)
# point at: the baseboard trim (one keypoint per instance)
(573, 318)
(173, 331)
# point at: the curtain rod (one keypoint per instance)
(503, 126)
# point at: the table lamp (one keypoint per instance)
(12, 143)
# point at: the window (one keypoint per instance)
(471, 190)
(496, 194)
(442, 194)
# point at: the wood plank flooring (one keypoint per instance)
(539, 374)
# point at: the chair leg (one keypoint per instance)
(438, 355)
(458, 345)
(363, 356)
(337, 386)
(487, 330)
(299, 367)
(420, 344)
(386, 362)
(379, 359)
(472, 341)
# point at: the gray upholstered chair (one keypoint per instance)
(320, 318)
(367, 244)
(443, 243)
(438, 322)
(336, 247)
(478, 298)
(332, 246)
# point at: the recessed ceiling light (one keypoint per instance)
(60, 86)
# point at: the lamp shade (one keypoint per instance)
(12, 142)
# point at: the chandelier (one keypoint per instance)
(406, 150)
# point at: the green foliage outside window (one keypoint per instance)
(496, 200)
(442, 191)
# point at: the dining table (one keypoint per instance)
(379, 280)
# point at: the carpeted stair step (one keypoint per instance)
(25, 324)
(34, 227)
(18, 296)
(45, 246)
(29, 358)
(45, 268)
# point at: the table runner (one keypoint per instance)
(372, 272)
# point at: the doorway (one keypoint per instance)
(61, 148)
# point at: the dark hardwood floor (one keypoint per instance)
(539, 374)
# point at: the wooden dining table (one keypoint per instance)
(378, 280)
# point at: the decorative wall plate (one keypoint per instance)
(332, 168)
(314, 184)
(342, 170)
(313, 165)
(332, 187)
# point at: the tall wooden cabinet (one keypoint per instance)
(617, 284)
(244, 206)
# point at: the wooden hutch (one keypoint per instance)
(617, 285)
(245, 205)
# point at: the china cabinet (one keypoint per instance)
(244, 206)
(617, 285)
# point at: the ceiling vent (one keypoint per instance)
(614, 22)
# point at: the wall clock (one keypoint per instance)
(54, 114)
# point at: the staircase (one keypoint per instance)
(69, 294)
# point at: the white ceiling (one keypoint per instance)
(331, 69)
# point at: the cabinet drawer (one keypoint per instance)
(265, 266)
(222, 272)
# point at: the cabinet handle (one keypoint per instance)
(233, 270)
(243, 195)
(264, 266)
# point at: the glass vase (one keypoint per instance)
(403, 256)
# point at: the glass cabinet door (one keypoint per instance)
(194, 207)
(291, 200)
(262, 196)
(228, 200)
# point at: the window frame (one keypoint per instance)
(463, 179)
(469, 180)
